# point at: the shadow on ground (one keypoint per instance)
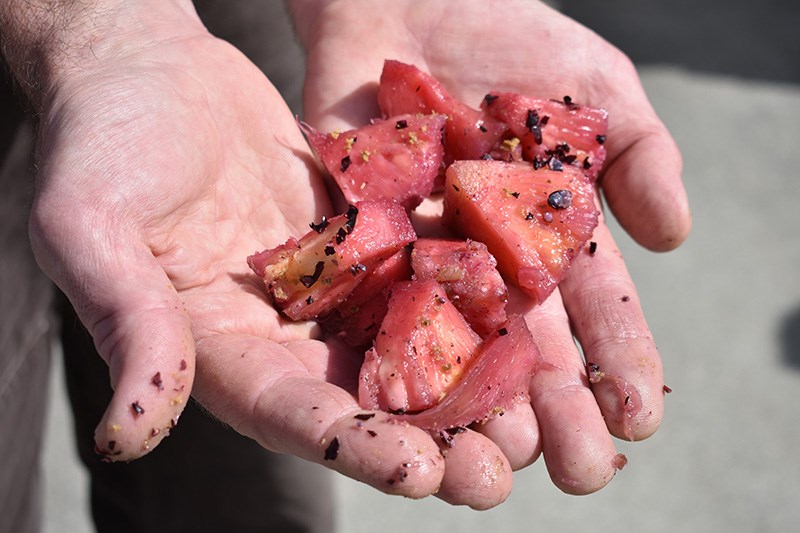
(790, 339)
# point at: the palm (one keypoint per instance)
(164, 194)
(194, 175)
(528, 48)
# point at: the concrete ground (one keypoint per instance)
(724, 308)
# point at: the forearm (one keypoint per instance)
(45, 41)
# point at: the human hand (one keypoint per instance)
(166, 159)
(526, 47)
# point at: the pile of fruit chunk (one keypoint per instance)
(517, 181)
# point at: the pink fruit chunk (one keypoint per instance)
(441, 351)
(469, 133)
(422, 348)
(468, 273)
(357, 320)
(498, 378)
(397, 159)
(533, 221)
(308, 278)
(553, 132)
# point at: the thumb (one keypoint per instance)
(136, 319)
(144, 335)
(642, 178)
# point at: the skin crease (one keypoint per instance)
(165, 158)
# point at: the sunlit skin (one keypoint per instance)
(167, 158)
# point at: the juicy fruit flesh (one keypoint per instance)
(396, 159)
(526, 219)
(468, 274)
(300, 277)
(310, 277)
(357, 319)
(573, 133)
(469, 133)
(505, 206)
(422, 349)
(497, 379)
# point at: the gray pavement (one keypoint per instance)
(725, 311)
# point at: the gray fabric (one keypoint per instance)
(25, 296)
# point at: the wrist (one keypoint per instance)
(311, 17)
(48, 43)
(305, 15)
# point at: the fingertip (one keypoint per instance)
(516, 433)
(585, 468)
(632, 412)
(676, 233)
(118, 439)
(147, 403)
(590, 477)
(667, 228)
(477, 473)
(643, 188)
(395, 458)
(577, 446)
(647, 422)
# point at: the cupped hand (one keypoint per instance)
(526, 47)
(164, 162)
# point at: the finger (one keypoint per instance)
(625, 366)
(576, 445)
(281, 405)
(477, 473)
(641, 180)
(516, 434)
(138, 325)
